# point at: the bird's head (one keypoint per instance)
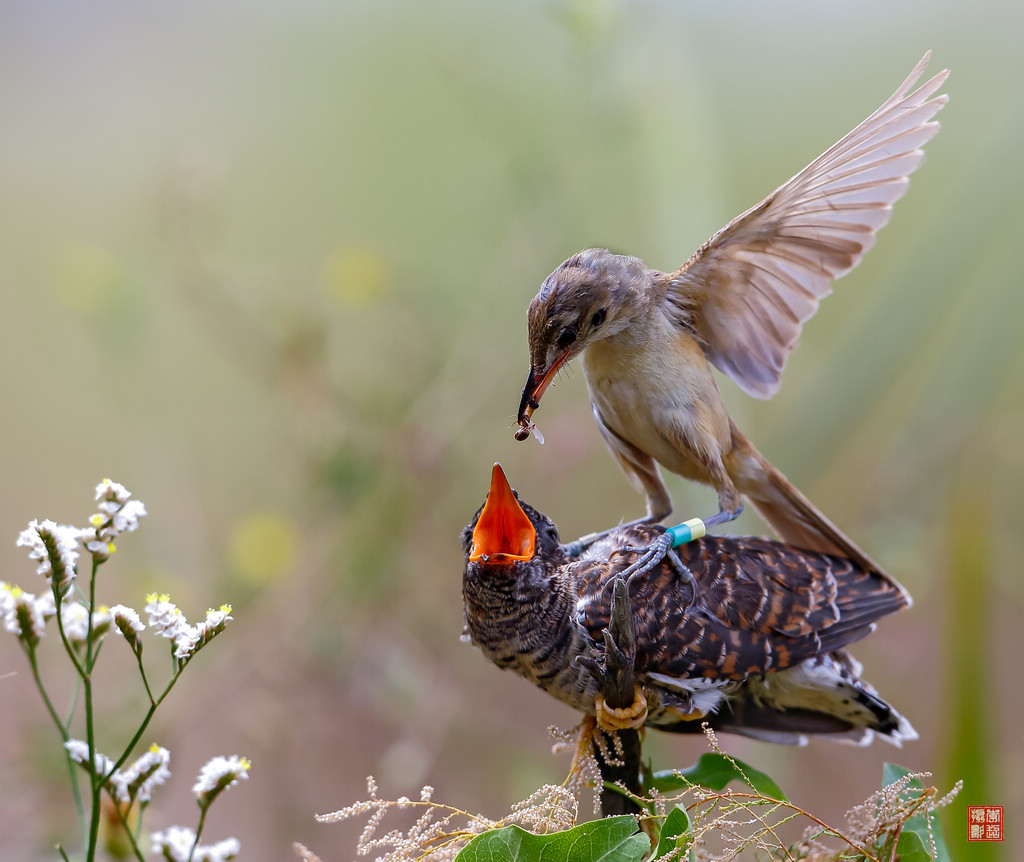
(593, 295)
(506, 531)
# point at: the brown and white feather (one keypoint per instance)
(749, 289)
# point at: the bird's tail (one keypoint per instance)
(824, 695)
(787, 511)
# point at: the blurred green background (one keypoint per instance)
(268, 263)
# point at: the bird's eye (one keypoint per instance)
(598, 317)
(566, 337)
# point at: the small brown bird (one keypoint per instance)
(648, 338)
(755, 646)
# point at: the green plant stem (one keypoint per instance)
(142, 671)
(133, 836)
(96, 779)
(42, 691)
(199, 829)
(154, 704)
(62, 728)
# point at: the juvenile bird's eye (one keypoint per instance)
(598, 317)
(566, 337)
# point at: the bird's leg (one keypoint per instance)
(574, 549)
(661, 548)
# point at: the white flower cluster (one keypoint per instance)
(25, 614)
(55, 546)
(176, 843)
(219, 774)
(79, 751)
(167, 620)
(74, 617)
(136, 781)
(127, 623)
(118, 513)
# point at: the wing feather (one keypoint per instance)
(748, 291)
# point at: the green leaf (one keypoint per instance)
(675, 832)
(714, 771)
(917, 825)
(613, 839)
(911, 848)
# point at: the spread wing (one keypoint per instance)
(748, 290)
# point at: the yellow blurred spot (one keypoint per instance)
(355, 276)
(263, 547)
(87, 277)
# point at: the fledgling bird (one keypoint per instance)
(755, 646)
(648, 339)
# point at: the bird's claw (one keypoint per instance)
(723, 516)
(611, 719)
(650, 555)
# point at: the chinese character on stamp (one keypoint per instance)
(984, 822)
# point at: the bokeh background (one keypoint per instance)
(267, 263)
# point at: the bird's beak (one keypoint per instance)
(536, 384)
(503, 533)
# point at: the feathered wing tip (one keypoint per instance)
(749, 289)
(821, 697)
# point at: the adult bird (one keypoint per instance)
(648, 338)
(757, 648)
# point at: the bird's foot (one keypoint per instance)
(697, 528)
(650, 556)
(611, 719)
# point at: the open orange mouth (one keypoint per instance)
(503, 533)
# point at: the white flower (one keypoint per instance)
(229, 848)
(185, 640)
(112, 493)
(126, 519)
(24, 614)
(176, 844)
(79, 752)
(164, 616)
(190, 638)
(148, 771)
(74, 616)
(217, 619)
(55, 546)
(118, 514)
(219, 774)
(7, 597)
(127, 623)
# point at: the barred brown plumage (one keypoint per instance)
(754, 646)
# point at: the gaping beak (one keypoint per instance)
(535, 387)
(503, 533)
